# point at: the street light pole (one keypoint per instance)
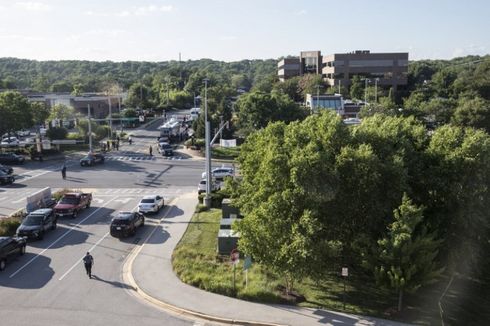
(207, 197)
(366, 80)
(110, 116)
(376, 90)
(89, 130)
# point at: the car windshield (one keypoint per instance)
(33, 220)
(69, 201)
(147, 201)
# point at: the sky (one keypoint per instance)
(230, 30)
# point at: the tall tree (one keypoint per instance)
(357, 88)
(15, 112)
(407, 254)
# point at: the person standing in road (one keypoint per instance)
(151, 150)
(88, 261)
(63, 171)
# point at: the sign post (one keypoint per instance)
(235, 258)
(345, 273)
(247, 263)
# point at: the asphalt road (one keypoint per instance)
(48, 285)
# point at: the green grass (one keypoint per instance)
(196, 262)
(230, 153)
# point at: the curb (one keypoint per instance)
(128, 277)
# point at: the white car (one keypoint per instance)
(151, 204)
(23, 133)
(11, 141)
(201, 187)
(220, 173)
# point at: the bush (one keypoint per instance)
(216, 199)
(57, 133)
(8, 226)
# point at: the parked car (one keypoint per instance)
(6, 169)
(11, 158)
(165, 149)
(23, 133)
(220, 173)
(92, 159)
(126, 223)
(9, 248)
(201, 187)
(6, 178)
(37, 223)
(10, 141)
(71, 203)
(151, 203)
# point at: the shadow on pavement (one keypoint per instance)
(33, 276)
(114, 283)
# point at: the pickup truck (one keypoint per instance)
(71, 203)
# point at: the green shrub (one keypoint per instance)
(216, 198)
(56, 133)
(8, 226)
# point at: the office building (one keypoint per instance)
(386, 69)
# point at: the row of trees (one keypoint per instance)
(385, 196)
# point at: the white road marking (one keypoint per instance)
(78, 261)
(61, 237)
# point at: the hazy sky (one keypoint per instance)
(157, 30)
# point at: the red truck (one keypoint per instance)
(71, 203)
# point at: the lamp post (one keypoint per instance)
(207, 197)
(376, 90)
(317, 96)
(366, 81)
(89, 129)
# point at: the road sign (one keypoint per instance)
(247, 263)
(345, 271)
(142, 118)
(235, 257)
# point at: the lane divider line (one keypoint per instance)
(61, 237)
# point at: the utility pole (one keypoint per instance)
(89, 129)
(366, 80)
(376, 90)
(207, 198)
(110, 116)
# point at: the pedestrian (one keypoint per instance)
(151, 150)
(130, 140)
(108, 145)
(88, 261)
(63, 171)
(117, 144)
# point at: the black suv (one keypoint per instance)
(92, 159)
(6, 178)
(125, 224)
(166, 149)
(6, 169)
(9, 158)
(9, 247)
(37, 223)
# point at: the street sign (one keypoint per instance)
(247, 263)
(345, 271)
(142, 118)
(235, 257)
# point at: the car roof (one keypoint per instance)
(150, 197)
(123, 215)
(42, 211)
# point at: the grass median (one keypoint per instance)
(196, 262)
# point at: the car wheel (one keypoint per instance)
(22, 250)
(143, 222)
(41, 235)
(3, 264)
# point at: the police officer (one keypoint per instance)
(88, 261)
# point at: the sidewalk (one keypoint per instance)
(149, 270)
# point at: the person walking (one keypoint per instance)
(88, 261)
(151, 150)
(130, 140)
(63, 171)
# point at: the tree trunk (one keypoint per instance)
(400, 298)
